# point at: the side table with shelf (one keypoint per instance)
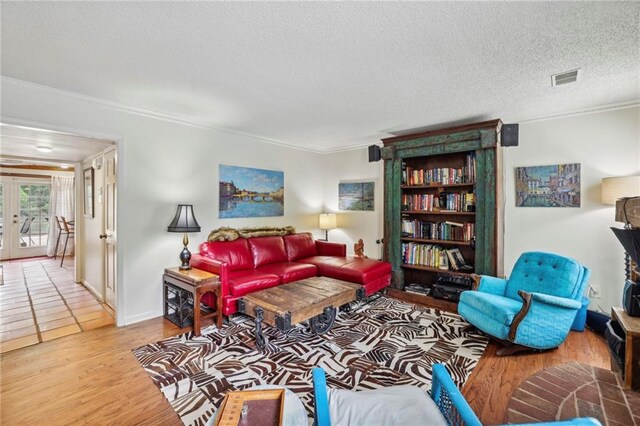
(183, 290)
(631, 327)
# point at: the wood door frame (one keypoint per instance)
(118, 141)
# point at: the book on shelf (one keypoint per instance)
(456, 260)
(417, 289)
(469, 202)
(449, 222)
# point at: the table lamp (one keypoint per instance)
(328, 221)
(184, 221)
(615, 188)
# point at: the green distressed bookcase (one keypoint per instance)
(443, 148)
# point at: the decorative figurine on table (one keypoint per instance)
(358, 249)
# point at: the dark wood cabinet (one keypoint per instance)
(443, 193)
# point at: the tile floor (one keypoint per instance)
(39, 301)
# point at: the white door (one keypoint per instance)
(110, 222)
(25, 217)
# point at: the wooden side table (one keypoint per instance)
(197, 282)
(631, 327)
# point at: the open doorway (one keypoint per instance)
(48, 286)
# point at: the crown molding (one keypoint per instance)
(572, 113)
(144, 112)
(178, 120)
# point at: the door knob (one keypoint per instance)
(102, 236)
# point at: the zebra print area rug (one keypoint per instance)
(382, 342)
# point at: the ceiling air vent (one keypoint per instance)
(564, 78)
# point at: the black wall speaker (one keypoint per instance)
(375, 154)
(510, 134)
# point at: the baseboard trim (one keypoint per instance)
(140, 317)
(93, 291)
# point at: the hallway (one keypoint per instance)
(39, 302)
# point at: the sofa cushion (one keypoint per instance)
(299, 246)
(244, 282)
(266, 250)
(235, 253)
(349, 268)
(501, 309)
(290, 271)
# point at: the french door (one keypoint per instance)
(24, 209)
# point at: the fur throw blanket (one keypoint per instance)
(231, 234)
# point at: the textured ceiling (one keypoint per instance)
(326, 76)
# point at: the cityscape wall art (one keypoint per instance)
(248, 192)
(548, 186)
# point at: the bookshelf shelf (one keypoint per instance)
(441, 212)
(458, 154)
(437, 186)
(438, 270)
(443, 242)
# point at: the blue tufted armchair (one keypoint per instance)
(534, 308)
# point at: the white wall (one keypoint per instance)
(161, 164)
(353, 166)
(605, 144)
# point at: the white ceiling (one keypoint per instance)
(19, 146)
(331, 75)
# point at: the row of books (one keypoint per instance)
(442, 176)
(430, 255)
(444, 201)
(459, 202)
(447, 230)
(434, 256)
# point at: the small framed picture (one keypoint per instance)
(88, 192)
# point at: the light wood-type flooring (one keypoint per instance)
(39, 302)
(92, 378)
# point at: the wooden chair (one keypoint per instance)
(66, 228)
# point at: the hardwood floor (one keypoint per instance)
(93, 378)
(495, 378)
(87, 378)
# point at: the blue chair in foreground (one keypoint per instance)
(533, 309)
(402, 405)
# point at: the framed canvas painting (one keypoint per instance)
(356, 196)
(248, 192)
(548, 186)
(88, 192)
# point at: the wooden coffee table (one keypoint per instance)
(314, 299)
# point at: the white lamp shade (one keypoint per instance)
(328, 221)
(614, 188)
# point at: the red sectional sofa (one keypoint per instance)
(252, 264)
